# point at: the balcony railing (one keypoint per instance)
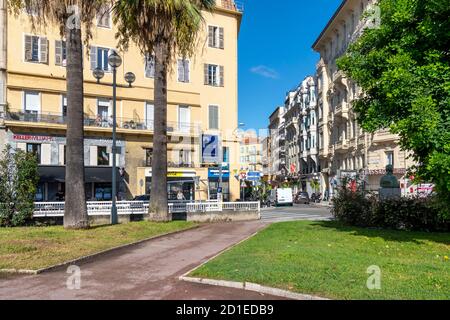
(101, 122)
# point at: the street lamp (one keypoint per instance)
(115, 61)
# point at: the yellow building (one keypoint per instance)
(202, 108)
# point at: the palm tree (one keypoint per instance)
(165, 28)
(69, 16)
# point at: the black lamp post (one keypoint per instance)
(115, 61)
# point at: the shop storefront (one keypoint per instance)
(214, 183)
(180, 184)
(50, 151)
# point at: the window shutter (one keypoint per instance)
(61, 154)
(46, 154)
(206, 74)
(28, 48)
(93, 57)
(93, 155)
(187, 76)
(58, 53)
(181, 75)
(221, 38)
(213, 117)
(211, 37)
(43, 42)
(221, 76)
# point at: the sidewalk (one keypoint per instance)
(147, 271)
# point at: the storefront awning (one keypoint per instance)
(91, 174)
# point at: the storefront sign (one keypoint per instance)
(382, 172)
(174, 174)
(215, 173)
(28, 137)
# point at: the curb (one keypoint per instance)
(91, 256)
(248, 286)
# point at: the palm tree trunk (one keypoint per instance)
(75, 215)
(158, 210)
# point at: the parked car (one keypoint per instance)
(302, 198)
(145, 197)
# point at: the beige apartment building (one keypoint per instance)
(344, 148)
(251, 153)
(202, 108)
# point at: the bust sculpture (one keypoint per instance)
(389, 181)
(389, 186)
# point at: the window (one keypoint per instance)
(226, 154)
(99, 58)
(148, 157)
(104, 17)
(183, 70)
(390, 158)
(31, 103)
(214, 75)
(60, 53)
(36, 49)
(36, 150)
(149, 116)
(150, 66)
(213, 116)
(185, 158)
(103, 110)
(64, 106)
(184, 118)
(102, 156)
(215, 37)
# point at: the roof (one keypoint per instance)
(329, 23)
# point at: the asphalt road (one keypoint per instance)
(297, 212)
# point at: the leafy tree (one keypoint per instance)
(69, 16)
(166, 28)
(18, 183)
(403, 67)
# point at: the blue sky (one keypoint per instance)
(275, 52)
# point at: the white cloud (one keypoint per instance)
(265, 72)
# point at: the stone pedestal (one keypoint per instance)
(390, 193)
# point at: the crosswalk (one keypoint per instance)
(280, 215)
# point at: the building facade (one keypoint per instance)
(202, 108)
(344, 148)
(251, 153)
(277, 136)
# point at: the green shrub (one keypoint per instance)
(18, 184)
(367, 210)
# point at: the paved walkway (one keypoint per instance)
(147, 271)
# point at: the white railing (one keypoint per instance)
(223, 206)
(100, 208)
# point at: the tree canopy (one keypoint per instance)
(403, 67)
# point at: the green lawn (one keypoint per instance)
(330, 260)
(38, 247)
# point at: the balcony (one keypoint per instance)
(342, 146)
(341, 110)
(19, 118)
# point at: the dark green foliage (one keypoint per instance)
(366, 210)
(403, 68)
(18, 184)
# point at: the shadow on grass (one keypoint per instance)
(386, 234)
